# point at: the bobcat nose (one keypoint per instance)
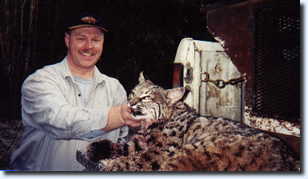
(130, 104)
(133, 101)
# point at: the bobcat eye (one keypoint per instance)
(131, 95)
(147, 98)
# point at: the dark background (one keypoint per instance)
(143, 36)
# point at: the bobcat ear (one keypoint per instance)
(143, 78)
(174, 95)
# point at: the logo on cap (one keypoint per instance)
(89, 20)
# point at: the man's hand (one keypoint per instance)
(119, 116)
(128, 118)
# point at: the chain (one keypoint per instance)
(221, 83)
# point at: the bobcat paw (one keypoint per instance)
(100, 150)
(105, 149)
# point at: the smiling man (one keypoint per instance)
(85, 46)
(69, 104)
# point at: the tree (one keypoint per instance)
(143, 36)
(17, 39)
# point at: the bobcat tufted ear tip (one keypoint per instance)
(143, 78)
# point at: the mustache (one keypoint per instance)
(90, 51)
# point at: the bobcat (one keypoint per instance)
(180, 140)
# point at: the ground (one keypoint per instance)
(10, 135)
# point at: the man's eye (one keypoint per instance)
(81, 39)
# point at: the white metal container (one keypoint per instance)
(197, 57)
(206, 98)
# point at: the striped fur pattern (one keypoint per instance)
(182, 141)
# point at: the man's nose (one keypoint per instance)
(89, 44)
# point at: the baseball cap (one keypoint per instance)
(86, 20)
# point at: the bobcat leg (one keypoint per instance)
(141, 142)
(105, 149)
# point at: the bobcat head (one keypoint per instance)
(148, 100)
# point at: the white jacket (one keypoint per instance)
(54, 118)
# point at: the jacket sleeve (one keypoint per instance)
(44, 107)
(119, 98)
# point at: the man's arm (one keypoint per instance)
(119, 116)
(45, 108)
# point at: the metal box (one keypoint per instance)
(262, 39)
(197, 61)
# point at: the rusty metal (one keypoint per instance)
(277, 61)
(231, 24)
(177, 75)
(262, 38)
(189, 73)
(219, 83)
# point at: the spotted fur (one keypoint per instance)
(182, 141)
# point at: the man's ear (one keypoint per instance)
(174, 95)
(67, 39)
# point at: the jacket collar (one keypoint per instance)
(98, 77)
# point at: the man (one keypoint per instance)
(69, 104)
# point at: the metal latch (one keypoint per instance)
(221, 83)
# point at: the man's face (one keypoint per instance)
(85, 46)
